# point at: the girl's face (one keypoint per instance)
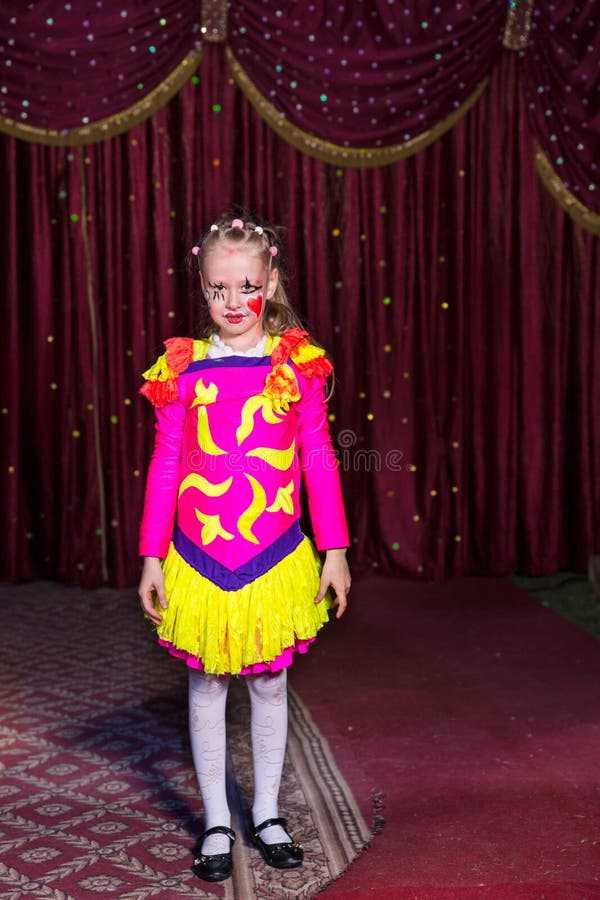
(236, 285)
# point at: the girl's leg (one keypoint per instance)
(207, 700)
(268, 726)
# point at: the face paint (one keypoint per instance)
(234, 276)
(218, 293)
(255, 304)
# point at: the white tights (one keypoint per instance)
(268, 727)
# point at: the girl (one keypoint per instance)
(229, 578)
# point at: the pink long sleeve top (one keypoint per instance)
(234, 437)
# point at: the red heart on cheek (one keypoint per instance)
(255, 305)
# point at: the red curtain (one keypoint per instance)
(364, 74)
(456, 297)
(370, 77)
(561, 78)
(71, 64)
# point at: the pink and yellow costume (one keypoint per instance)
(233, 437)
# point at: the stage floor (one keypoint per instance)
(475, 711)
(464, 714)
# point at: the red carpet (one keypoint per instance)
(473, 709)
(476, 711)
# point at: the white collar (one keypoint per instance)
(219, 348)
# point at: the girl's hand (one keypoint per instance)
(152, 584)
(337, 575)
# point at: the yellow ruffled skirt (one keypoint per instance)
(228, 631)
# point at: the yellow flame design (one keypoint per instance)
(205, 441)
(212, 528)
(203, 484)
(256, 509)
(283, 500)
(249, 409)
(279, 459)
(205, 394)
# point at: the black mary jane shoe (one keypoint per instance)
(287, 855)
(217, 866)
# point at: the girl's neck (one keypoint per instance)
(243, 341)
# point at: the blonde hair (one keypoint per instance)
(262, 239)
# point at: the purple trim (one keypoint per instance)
(234, 580)
(226, 362)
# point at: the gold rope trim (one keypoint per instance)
(94, 347)
(518, 24)
(115, 124)
(574, 207)
(335, 153)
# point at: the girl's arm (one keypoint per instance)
(152, 585)
(335, 574)
(322, 481)
(319, 466)
(159, 506)
(162, 483)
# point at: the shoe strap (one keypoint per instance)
(219, 829)
(268, 822)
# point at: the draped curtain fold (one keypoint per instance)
(352, 84)
(360, 75)
(561, 87)
(87, 70)
(458, 301)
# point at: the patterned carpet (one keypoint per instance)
(97, 790)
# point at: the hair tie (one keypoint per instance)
(273, 251)
(195, 250)
(214, 227)
(258, 229)
(237, 223)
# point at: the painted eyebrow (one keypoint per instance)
(247, 284)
